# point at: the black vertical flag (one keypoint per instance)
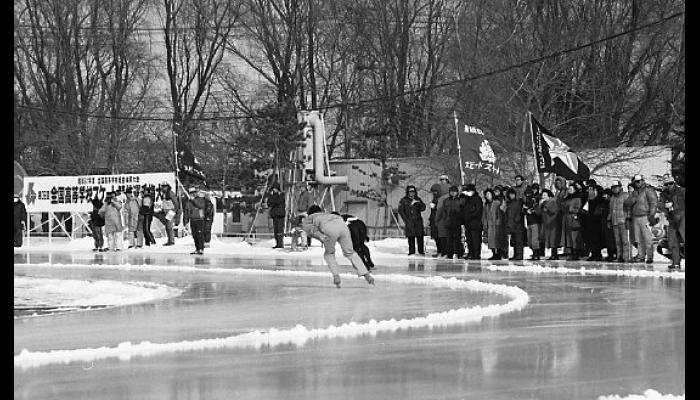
(553, 155)
(187, 162)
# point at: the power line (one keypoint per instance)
(408, 92)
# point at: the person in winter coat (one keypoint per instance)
(20, 222)
(520, 187)
(630, 225)
(146, 215)
(331, 229)
(593, 223)
(450, 216)
(442, 223)
(131, 216)
(195, 214)
(110, 211)
(642, 203)
(436, 192)
(571, 223)
(97, 222)
(673, 205)
(617, 218)
(533, 221)
(493, 226)
(170, 202)
(514, 222)
(275, 202)
(304, 200)
(209, 217)
(550, 225)
(473, 226)
(410, 209)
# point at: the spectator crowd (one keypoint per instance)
(581, 217)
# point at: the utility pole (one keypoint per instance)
(312, 78)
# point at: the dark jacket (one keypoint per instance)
(514, 215)
(95, 218)
(411, 215)
(146, 205)
(450, 214)
(276, 204)
(196, 209)
(676, 213)
(473, 212)
(20, 214)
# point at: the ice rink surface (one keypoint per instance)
(578, 337)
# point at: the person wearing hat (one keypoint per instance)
(194, 214)
(673, 205)
(275, 202)
(449, 215)
(170, 212)
(642, 203)
(20, 220)
(114, 228)
(331, 229)
(209, 217)
(473, 209)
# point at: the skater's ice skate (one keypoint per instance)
(369, 278)
(336, 280)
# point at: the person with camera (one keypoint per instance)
(642, 203)
(97, 222)
(673, 205)
(111, 212)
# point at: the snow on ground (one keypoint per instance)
(69, 294)
(538, 269)
(299, 335)
(649, 394)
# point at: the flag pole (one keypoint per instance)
(459, 148)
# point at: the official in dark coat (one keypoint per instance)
(514, 223)
(673, 205)
(195, 214)
(450, 215)
(473, 226)
(277, 213)
(97, 221)
(593, 223)
(410, 208)
(20, 220)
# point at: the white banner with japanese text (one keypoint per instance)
(73, 193)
